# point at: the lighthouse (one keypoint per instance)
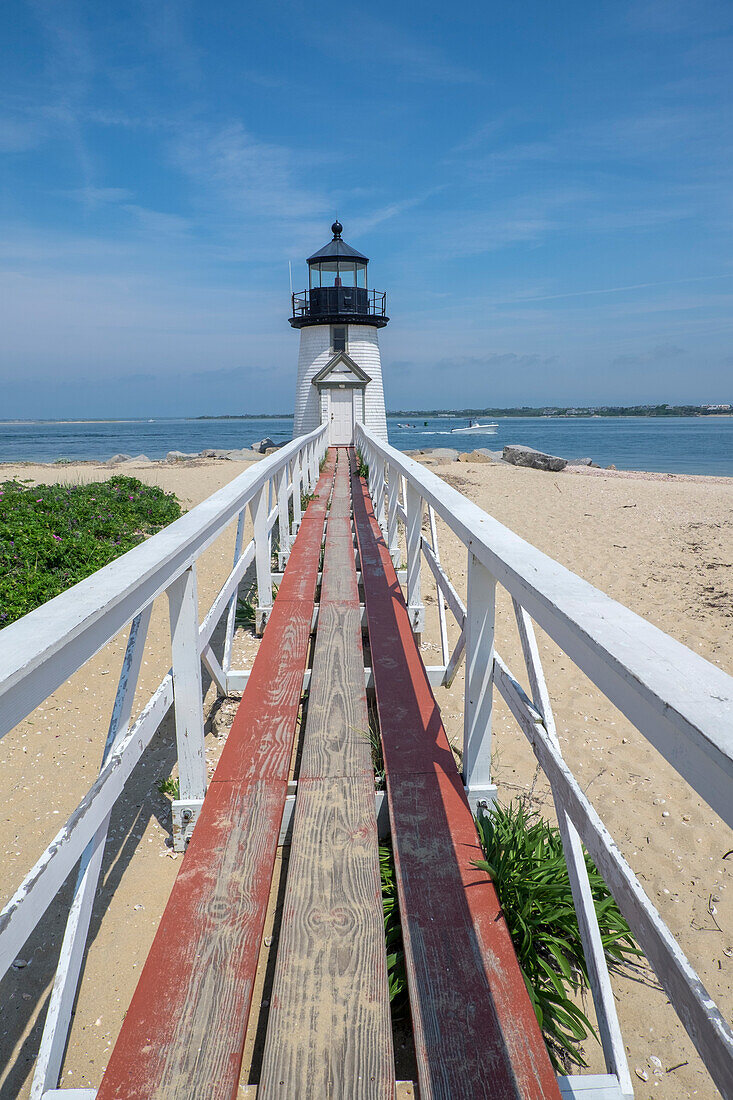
(339, 366)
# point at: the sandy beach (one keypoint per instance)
(660, 544)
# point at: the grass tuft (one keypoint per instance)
(392, 931)
(170, 786)
(524, 856)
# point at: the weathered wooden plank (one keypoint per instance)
(476, 1034)
(329, 1032)
(184, 1032)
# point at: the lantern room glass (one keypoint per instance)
(345, 273)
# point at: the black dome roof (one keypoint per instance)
(337, 249)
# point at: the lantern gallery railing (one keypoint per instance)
(40, 651)
(333, 301)
(679, 702)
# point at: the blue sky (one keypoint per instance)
(544, 191)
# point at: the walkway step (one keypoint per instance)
(329, 1033)
(183, 1035)
(475, 1031)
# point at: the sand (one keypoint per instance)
(661, 545)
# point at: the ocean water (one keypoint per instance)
(697, 445)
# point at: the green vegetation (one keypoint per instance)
(524, 856)
(567, 410)
(392, 931)
(52, 536)
(170, 786)
(362, 470)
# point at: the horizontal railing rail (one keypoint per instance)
(680, 702)
(44, 648)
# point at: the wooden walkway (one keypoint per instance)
(329, 1031)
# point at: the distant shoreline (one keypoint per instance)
(606, 412)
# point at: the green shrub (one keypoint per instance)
(524, 856)
(52, 536)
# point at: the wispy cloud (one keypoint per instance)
(624, 289)
(256, 178)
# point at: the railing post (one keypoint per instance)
(480, 615)
(232, 609)
(297, 508)
(415, 606)
(283, 534)
(188, 705)
(590, 934)
(444, 653)
(263, 564)
(381, 501)
(58, 1018)
(392, 517)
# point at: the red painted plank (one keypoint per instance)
(184, 1032)
(476, 1033)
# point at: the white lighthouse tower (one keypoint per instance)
(339, 367)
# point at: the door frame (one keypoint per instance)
(357, 402)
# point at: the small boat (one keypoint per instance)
(474, 426)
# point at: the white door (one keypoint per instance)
(342, 415)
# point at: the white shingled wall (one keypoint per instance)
(315, 351)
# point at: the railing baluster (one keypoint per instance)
(441, 599)
(283, 538)
(232, 607)
(187, 699)
(297, 491)
(415, 606)
(380, 503)
(478, 701)
(600, 981)
(56, 1027)
(392, 517)
(263, 562)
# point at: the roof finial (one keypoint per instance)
(337, 229)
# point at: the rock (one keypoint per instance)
(118, 458)
(242, 455)
(263, 444)
(476, 456)
(611, 467)
(528, 456)
(180, 456)
(212, 452)
(440, 454)
(580, 462)
(138, 458)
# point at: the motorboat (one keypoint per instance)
(474, 426)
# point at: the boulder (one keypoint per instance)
(213, 452)
(244, 454)
(580, 462)
(476, 456)
(528, 456)
(180, 456)
(138, 458)
(118, 458)
(440, 454)
(263, 444)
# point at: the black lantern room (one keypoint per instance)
(337, 288)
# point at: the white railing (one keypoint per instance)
(40, 651)
(682, 704)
